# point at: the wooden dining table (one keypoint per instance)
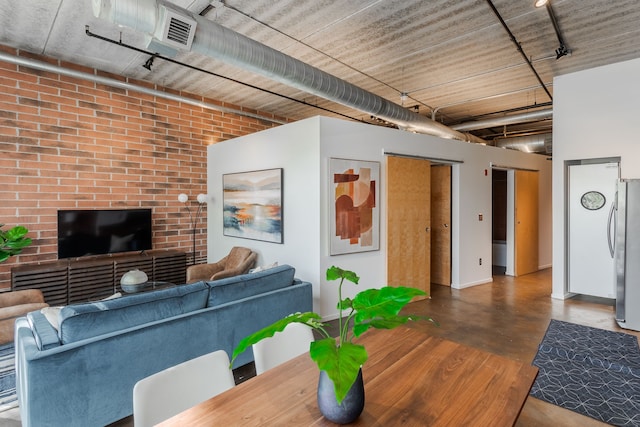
(410, 379)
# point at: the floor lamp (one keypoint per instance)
(202, 199)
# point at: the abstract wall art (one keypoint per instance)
(253, 205)
(355, 211)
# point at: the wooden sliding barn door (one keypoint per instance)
(408, 222)
(526, 222)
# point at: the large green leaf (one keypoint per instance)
(389, 323)
(334, 273)
(16, 233)
(385, 302)
(341, 363)
(308, 318)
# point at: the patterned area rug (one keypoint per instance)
(8, 397)
(590, 371)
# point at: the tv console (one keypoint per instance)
(77, 279)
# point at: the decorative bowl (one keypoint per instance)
(133, 281)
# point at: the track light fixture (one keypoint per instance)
(149, 62)
(563, 50)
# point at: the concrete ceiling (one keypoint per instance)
(454, 57)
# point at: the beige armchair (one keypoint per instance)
(239, 261)
(15, 304)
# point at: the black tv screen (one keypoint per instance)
(97, 232)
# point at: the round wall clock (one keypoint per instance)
(593, 200)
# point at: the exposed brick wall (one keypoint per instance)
(67, 143)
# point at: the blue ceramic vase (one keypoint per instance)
(350, 408)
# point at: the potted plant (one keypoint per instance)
(12, 241)
(339, 358)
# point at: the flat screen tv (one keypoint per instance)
(97, 232)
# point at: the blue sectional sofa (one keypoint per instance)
(83, 372)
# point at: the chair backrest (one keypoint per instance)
(283, 346)
(171, 391)
(237, 256)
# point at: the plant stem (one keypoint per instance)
(340, 310)
(323, 330)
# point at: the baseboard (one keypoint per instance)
(470, 284)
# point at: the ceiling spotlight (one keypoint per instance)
(540, 3)
(404, 96)
(149, 62)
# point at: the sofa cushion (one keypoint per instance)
(81, 321)
(246, 285)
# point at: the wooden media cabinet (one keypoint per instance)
(79, 279)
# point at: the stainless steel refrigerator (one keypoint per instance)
(627, 254)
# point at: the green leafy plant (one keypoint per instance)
(340, 357)
(13, 241)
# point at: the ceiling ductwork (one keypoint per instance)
(216, 41)
(531, 116)
(540, 143)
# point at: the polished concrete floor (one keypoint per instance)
(507, 317)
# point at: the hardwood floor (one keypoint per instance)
(507, 317)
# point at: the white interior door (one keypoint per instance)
(592, 190)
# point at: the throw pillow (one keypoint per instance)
(52, 314)
(264, 267)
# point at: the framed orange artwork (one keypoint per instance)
(355, 209)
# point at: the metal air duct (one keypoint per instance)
(540, 143)
(532, 116)
(216, 41)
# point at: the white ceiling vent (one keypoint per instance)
(174, 29)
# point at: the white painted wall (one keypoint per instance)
(295, 148)
(595, 115)
(303, 150)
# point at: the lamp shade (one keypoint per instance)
(202, 198)
(182, 198)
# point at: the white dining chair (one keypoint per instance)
(291, 342)
(171, 391)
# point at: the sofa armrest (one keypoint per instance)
(45, 334)
(25, 296)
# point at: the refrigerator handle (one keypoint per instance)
(613, 219)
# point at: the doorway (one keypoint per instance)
(419, 196)
(441, 224)
(499, 221)
(515, 221)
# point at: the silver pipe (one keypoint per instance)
(216, 41)
(43, 66)
(531, 116)
(540, 143)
